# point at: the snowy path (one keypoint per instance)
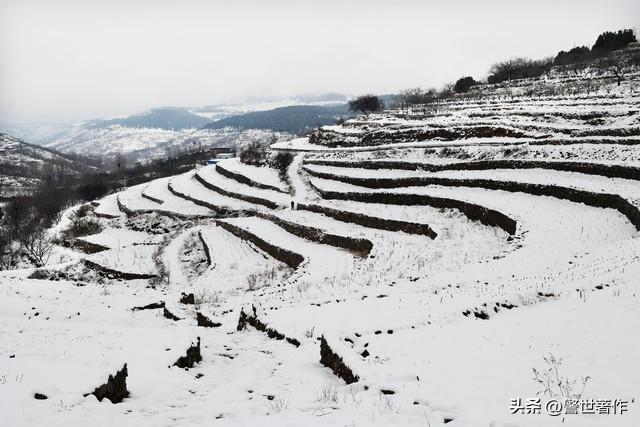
(299, 186)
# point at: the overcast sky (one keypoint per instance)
(78, 59)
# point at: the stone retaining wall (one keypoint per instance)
(372, 221)
(246, 180)
(472, 211)
(290, 258)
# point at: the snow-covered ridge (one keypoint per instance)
(23, 165)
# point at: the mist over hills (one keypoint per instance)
(151, 133)
(167, 118)
(293, 119)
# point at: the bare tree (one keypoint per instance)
(253, 153)
(6, 254)
(38, 246)
(410, 98)
(366, 104)
(619, 65)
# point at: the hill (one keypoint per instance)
(293, 119)
(151, 134)
(429, 247)
(23, 166)
(157, 118)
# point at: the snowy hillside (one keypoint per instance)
(433, 258)
(111, 140)
(152, 133)
(24, 165)
(561, 113)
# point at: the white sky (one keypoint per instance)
(79, 59)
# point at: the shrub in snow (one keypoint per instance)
(192, 357)
(253, 154)
(554, 383)
(205, 321)
(115, 389)
(188, 298)
(281, 161)
(81, 225)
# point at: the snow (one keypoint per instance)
(625, 187)
(452, 325)
(303, 145)
(186, 184)
(131, 252)
(158, 189)
(110, 140)
(210, 175)
(109, 206)
(324, 262)
(260, 174)
(233, 260)
(299, 187)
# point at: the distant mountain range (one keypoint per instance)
(157, 131)
(169, 118)
(293, 119)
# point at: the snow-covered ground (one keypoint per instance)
(443, 331)
(260, 174)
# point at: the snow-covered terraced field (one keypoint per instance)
(130, 252)
(627, 188)
(108, 207)
(438, 321)
(211, 178)
(186, 185)
(261, 175)
(324, 262)
(158, 191)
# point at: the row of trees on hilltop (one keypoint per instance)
(601, 57)
(606, 43)
(518, 68)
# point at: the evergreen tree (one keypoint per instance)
(464, 84)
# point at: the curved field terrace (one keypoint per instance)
(385, 277)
